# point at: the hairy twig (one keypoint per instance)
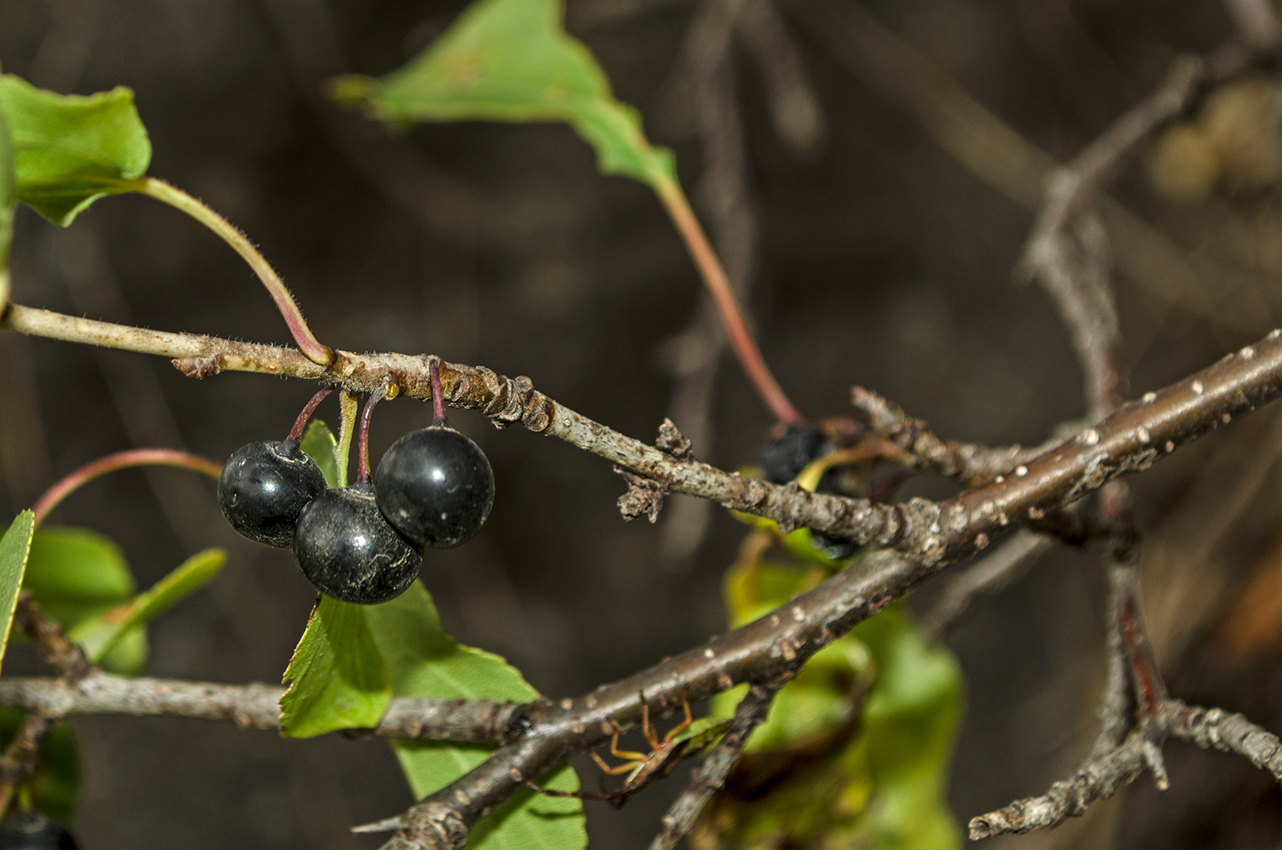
(1129, 440)
(927, 535)
(710, 776)
(253, 706)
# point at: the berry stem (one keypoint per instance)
(714, 277)
(180, 200)
(120, 460)
(438, 397)
(362, 430)
(300, 424)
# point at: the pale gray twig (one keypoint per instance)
(253, 706)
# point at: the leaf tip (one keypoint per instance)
(353, 90)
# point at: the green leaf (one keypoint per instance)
(870, 774)
(100, 634)
(882, 781)
(70, 150)
(15, 546)
(319, 444)
(426, 662)
(511, 60)
(75, 575)
(8, 199)
(340, 681)
(403, 650)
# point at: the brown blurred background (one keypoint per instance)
(871, 210)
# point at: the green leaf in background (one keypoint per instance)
(8, 199)
(339, 679)
(319, 444)
(15, 546)
(100, 634)
(404, 642)
(76, 574)
(511, 60)
(70, 150)
(856, 749)
(52, 786)
(427, 662)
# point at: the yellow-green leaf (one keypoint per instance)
(15, 546)
(338, 678)
(319, 444)
(101, 634)
(70, 150)
(353, 658)
(75, 575)
(512, 60)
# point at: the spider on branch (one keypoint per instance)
(685, 739)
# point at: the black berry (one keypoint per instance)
(34, 831)
(785, 458)
(435, 486)
(263, 488)
(348, 551)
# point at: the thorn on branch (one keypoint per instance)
(644, 497)
(672, 441)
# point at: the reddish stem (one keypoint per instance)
(438, 397)
(121, 460)
(362, 430)
(296, 433)
(714, 277)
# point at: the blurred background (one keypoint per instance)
(868, 171)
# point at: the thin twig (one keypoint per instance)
(1129, 440)
(710, 777)
(253, 706)
(47, 636)
(23, 754)
(1102, 774)
(970, 463)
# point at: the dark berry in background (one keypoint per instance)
(783, 460)
(34, 831)
(263, 488)
(348, 551)
(435, 486)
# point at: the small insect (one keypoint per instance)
(686, 738)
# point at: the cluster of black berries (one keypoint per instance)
(361, 543)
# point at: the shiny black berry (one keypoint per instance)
(34, 831)
(348, 551)
(435, 486)
(264, 487)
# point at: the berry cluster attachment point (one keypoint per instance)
(362, 543)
